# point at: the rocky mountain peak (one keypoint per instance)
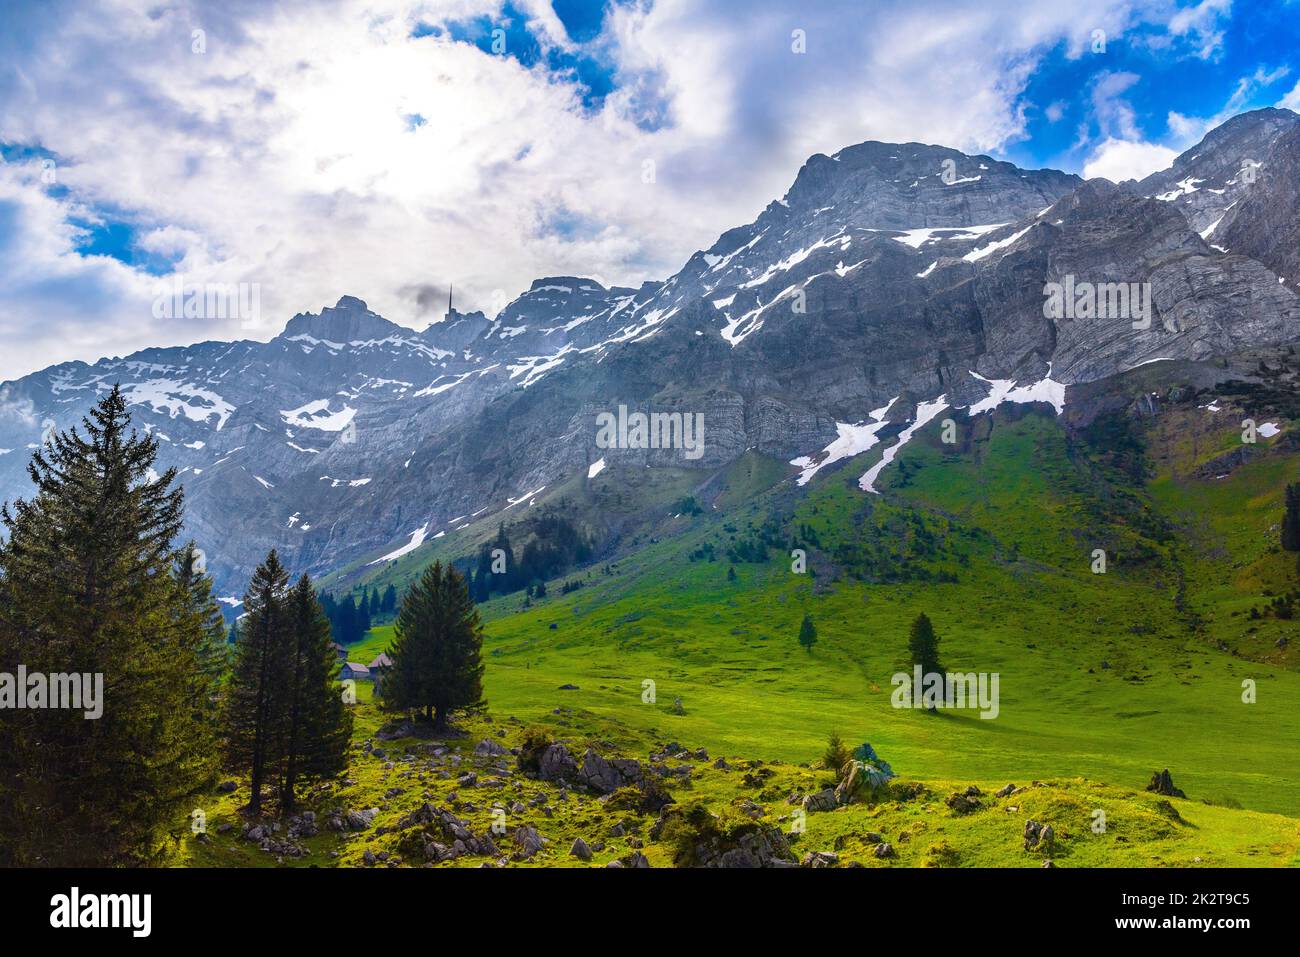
(915, 185)
(350, 320)
(570, 283)
(1246, 139)
(456, 330)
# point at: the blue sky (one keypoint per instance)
(386, 148)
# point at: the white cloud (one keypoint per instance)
(1292, 100)
(1186, 130)
(1201, 25)
(1118, 160)
(284, 155)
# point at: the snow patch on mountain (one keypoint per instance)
(1005, 390)
(977, 254)
(851, 440)
(178, 398)
(417, 539)
(317, 415)
(924, 413)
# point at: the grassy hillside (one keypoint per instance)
(1101, 675)
(912, 816)
(1104, 678)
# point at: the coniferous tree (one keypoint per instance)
(318, 724)
(437, 647)
(213, 658)
(807, 634)
(88, 586)
(390, 600)
(923, 644)
(1291, 519)
(349, 621)
(255, 696)
(363, 616)
(836, 754)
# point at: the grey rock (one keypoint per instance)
(821, 801)
(606, 776)
(557, 764)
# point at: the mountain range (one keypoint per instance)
(891, 286)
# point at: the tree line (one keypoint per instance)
(94, 580)
(555, 545)
(350, 619)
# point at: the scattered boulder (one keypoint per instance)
(819, 859)
(604, 776)
(557, 764)
(359, 820)
(489, 748)
(1038, 837)
(1163, 783)
(765, 846)
(441, 836)
(397, 729)
(964, 802)
(821, 801)
(1007, 791)
(528, 840)
(580, 850)
(885, 849)
(226, 787)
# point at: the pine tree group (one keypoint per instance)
(285, 719)
(91, 582)
(437, 647)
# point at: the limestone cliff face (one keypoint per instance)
(890, 277)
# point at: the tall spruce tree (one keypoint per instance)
(1291, 519)
(318, 724)
(89, 585)
(214, 651)
(255, 709)
(437, 648)
(923, 645)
